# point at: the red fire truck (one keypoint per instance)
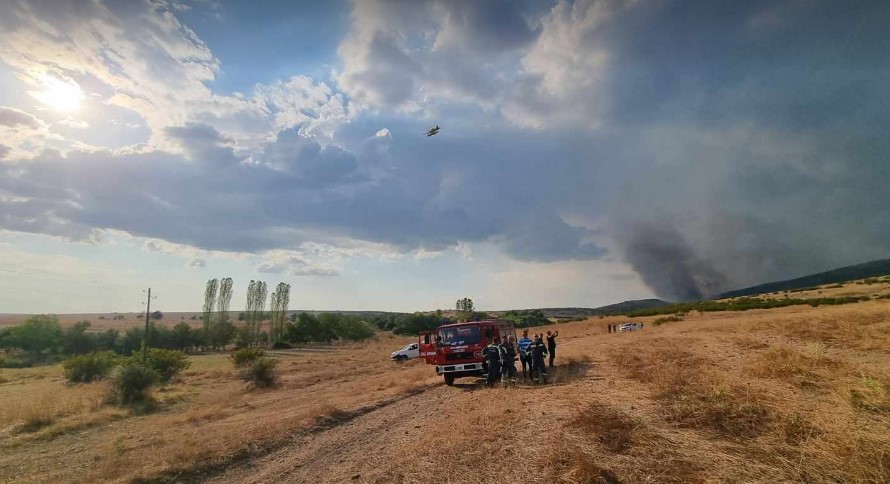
(456, 349)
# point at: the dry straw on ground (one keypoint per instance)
(796, 394)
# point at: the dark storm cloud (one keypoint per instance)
(13, 117)
(799, 193)
(293, 189)
(203, 143)
(400, 53)
(717, 144)
(306, 159)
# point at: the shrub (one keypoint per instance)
(89, 367)
(38, 334)
(669, 319)
(15, 363)
(261, 372)
(132, 382)
(872, 395)
(354, 329)
(281, 345)
(167, 363)
(246, 356)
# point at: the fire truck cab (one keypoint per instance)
(456, 349)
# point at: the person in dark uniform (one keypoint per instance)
(523, 345)
(551, 345)
(538, 353)
(492, 355)
(508, 360)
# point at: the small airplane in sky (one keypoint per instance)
(433, 131)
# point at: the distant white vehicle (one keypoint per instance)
(630, 327)
(408, 352)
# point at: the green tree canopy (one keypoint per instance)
(38, 334)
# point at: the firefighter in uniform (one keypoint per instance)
(492, 355)
(508, 360)
(538, 352)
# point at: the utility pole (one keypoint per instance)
(145, 334)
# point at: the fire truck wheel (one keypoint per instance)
(449, 380)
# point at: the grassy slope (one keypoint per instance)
(843, 274)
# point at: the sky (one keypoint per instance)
(590, 151)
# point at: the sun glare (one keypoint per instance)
(62, 95)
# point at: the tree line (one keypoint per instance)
(41, 339)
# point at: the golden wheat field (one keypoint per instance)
(796, 394)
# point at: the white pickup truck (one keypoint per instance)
(408, 352)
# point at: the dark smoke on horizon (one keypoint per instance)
(668, 264)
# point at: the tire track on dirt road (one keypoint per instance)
(357, 449)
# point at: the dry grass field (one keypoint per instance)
(105, 321)
(796, 394)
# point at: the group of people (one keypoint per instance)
(500, 357)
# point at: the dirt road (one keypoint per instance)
(401, 440)
(358, 446)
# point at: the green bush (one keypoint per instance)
(132, 382)
(261, 372)
(89, 367)
(15, 363)
(281, 345)
(246, 356)
(525, 318)
(167, 363)
(669, 319)
(38, 334)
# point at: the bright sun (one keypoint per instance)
(63, 95)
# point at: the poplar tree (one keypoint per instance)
(209, 304)
(249, 312)
(278, 304)
(222, 331)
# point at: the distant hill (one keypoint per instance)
(617, 308)
(844, 274)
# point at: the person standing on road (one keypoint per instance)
(508, 360)
(492, 355)
(538, 352)
(551, 345)
(524, 344)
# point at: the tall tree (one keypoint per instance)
(278, 302)
(256, 305)
(249, 312)
(209, 304)
(273, 316)
(464, 308)
(225, 299)
(260, 308)
(283, 306)
(223, 330)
